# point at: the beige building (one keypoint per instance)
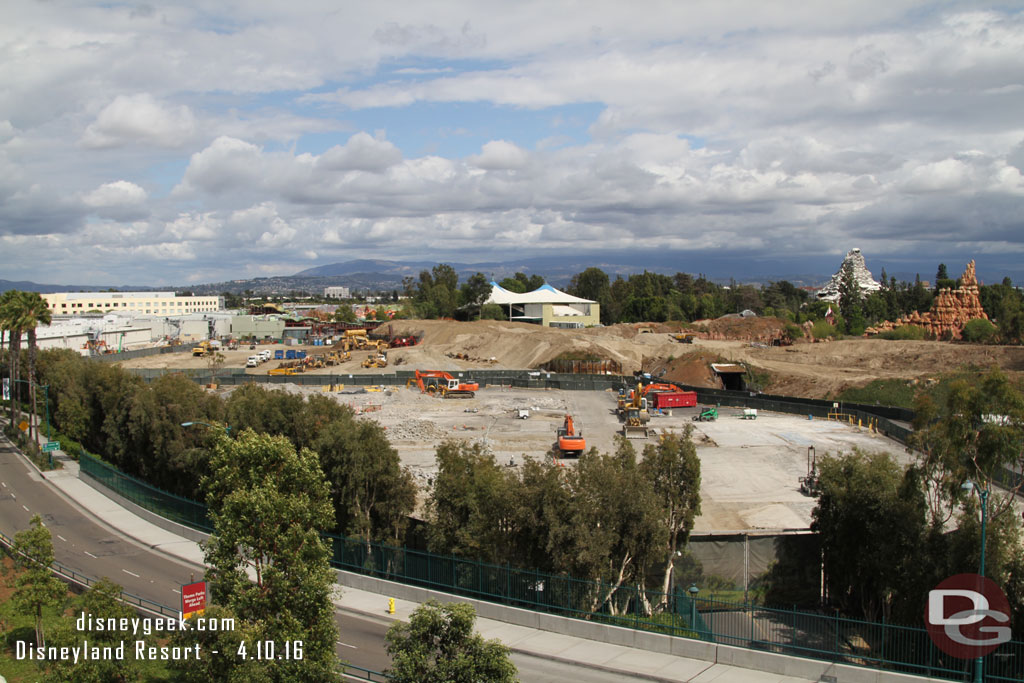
(546, 306)
(138, 303)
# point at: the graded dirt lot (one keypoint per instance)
(816, 370)
(750, 468)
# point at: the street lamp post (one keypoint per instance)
(968, 485)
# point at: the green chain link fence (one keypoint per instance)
(790, 632)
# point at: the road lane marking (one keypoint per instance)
(89, 554)
(130, 573)
(62, 538)
(347, 645)
(4, 483)
(26, 508)
(176, 591)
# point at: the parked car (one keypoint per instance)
(253, 362)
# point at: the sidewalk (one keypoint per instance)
(536, 643)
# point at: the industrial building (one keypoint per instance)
(336, 292)
(546, 306)
(137, 303)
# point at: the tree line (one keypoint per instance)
(654, 297)
(617, 518)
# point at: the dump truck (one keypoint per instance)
(684, 337)
(443, 384)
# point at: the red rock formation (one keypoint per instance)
(951, 310)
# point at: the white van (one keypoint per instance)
(265, 355)
(253, 362)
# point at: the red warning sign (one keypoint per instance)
(193, 599)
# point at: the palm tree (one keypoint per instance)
(36, 312)
(12, 319)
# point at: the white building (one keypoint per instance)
(546, 306)
(136, 303)
(336, 292)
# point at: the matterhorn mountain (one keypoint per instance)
(861, 274)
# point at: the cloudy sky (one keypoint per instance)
(185, 142)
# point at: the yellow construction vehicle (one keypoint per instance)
(634, 415)
(284, 371)
(684, 337)
(376, 360)
(201, 349)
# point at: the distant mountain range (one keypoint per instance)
(383, 275)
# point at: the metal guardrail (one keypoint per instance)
(85, 581)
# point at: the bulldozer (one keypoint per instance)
(376, 360)
(570, 442)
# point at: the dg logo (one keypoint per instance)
(968, 616)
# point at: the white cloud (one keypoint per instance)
(254, 137)
(140, 120)
(500, 155)
(361, 153)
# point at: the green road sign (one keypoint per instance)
(51, 446)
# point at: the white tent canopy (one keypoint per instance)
(545, 294)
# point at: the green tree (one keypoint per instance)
(673, 470)
(470, 503)
(615, 531)
(438, 646)
(976, 435)
(344, 314)
(227, 666)
(475, 292)
(978, 331)
(101, 602)
(13, 320)
(593, 284)
(35, 588)
(373, 495)
(36, 312)
(851, 300)
(269, 505)
(871, 518)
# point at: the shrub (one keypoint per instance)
(822, 329)
(913, 332)
(979, 331)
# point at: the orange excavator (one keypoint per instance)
(441, 383)
(570, 443)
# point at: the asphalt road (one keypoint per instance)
(95, 550)
(88, 546)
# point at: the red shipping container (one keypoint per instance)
(673, 399)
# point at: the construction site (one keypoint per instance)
(753, 461)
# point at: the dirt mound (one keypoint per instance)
(754, 329)
(693, 369)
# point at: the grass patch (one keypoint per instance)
(898, 393)
(901, 393)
